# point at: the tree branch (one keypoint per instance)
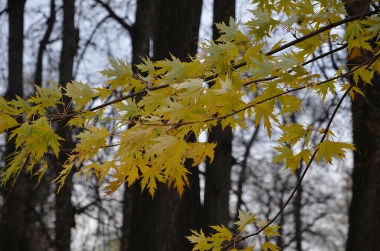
(112, 14)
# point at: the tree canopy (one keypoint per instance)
(153, 111)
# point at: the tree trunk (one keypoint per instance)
(217, 179)
(64, 215)
(161, 223)
(142, 33)
(364, 214)
(15, 217)
(16, 48)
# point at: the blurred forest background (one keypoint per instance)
(65, 40)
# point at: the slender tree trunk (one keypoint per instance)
(64, 216)
(15, 218)
(16, 48)
(218, 180)
(43, 43)
(364, 214)
(161, 223)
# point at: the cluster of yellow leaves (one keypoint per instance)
(224, 239)
(241, 75)
(150, 138)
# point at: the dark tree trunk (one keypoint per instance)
(364, 214)
(218, 180)
(15, 217)
(142, 34)
(142, 30)
(16, 48)
(64, 216)
(161, 223)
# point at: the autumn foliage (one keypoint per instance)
(254, 74)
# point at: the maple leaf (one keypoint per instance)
(364, 74)
(173, 68)
(198, 151)
(6, 122)
(147, 66)
(244, 220)
(250, 248)
(228, 33)
(44, 98)
(200, 240)
(119, 70)
(262, 24)
(222, 233)
(271, 230)
(102, 92)
(329, 149)
(22, 133)
(149, 176)
(44, 137)
(20, 104)
(120, 75)
(325, 89)
(352, 91)
(90, 141)
(270, 246)
(264, 111)
(80, 93)
(67, 167)
(291, 161)
(292, 133)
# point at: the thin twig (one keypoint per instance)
(14, 184)
(299, 181)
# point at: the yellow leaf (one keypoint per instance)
(198, 151)
(264, 111)
(200, 240)
(63, 174)
(271, 230)
(250, 248)
(270, 246)
(43, 138)
(244, 220)
(292, 133)
(90, 141)
(6, 122)
(222, 232)
(328, 150)
(291, 161)
(80, 93)
(149, 176)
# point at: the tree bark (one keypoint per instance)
(217, 178)
(161, 223)
(141, 34)
(64, 215)
(15, 217)
(16, 48)
(364, 216)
